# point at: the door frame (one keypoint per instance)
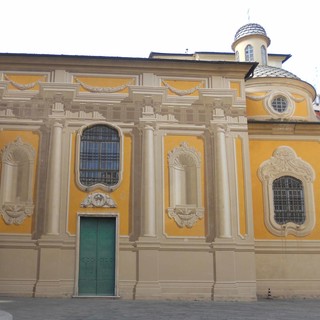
(97, 215)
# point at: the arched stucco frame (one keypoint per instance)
(77, 170)
(185, 213)
(16, 191)
(285, 162)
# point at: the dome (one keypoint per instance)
(250, 29)
(262, 71)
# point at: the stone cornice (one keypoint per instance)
(37, 62)
(295, 84)
(283, 128)
(58, 92)
(147, 95)
(219, 97)
(287, 245)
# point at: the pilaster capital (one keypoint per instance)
(145, 127)
(218, 127)
(54, 123)
(148, 127)
(58, 124)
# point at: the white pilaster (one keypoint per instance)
(222, 184)
(149, 215)
(54, 180)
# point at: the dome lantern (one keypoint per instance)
(250, 43)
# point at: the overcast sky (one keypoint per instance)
(134, 28)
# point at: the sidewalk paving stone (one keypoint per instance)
(101, 309)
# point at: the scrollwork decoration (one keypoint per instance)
(98, 200)
(186, 216)
(15, 213)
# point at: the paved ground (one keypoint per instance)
(100, 309)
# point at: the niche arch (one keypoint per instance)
(16, 194)
(185, 185)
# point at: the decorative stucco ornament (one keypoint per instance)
(16, 213)
(98, 200)
(19, 86)
(186, 216)
(182, 92)
(94, 89)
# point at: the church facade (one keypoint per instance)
(178, 176)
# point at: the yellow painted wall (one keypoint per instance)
(171, 227)
(236, 85)
(121, 195)
(256, 108)
(241, 188)
(301, 109)
(260, 151)
(6, 137)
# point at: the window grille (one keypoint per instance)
(288, 199)
(279, 104)
(249, 53)
(99, 156)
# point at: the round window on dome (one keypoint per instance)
(279, 104)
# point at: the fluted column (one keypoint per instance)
(54, 180)
(222, 184)
(148, 196)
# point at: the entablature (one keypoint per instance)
(283, 128)
(123, 97)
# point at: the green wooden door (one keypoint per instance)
(97, 256)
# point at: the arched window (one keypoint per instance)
(99, 157)
(16, 195)
(263, 55)
(288, 193)
(249, 53)
(288, 199)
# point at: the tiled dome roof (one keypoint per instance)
(250, 29)
(268, 71)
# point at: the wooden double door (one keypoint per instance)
(97, 256)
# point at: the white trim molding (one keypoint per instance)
(288, 112)
(286, 162)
